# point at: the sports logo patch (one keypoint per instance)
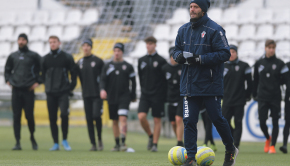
(226, 71)
(81, 66)
(143, 64)
(93, 64)
(274, 66)
(261, 67)
(175, 81)
(203, 34)
(268, 75)
(179, 72)
(237, 68)
(168, 75)
(124, 67)
(117, 72)
(155, 63)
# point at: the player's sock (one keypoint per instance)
(123, 138)
(286, 133)
(154, 144)
(99, 126)
(117, 140)
(180, 143)
(151, 136)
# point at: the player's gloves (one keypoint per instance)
(180, 59)
(195, 60)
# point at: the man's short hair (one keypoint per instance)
(53, 37)
(150, 39)
(269, 42)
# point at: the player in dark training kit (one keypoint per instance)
(117, 76)
(202, 48)
(269, 74)
(172, 71)
(153, 91)
(55, 68)
(236, 74)
(89, 71)
(22, 74)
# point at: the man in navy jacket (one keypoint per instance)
(202, 48)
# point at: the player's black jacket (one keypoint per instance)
(172, 73)
(22, 68)
(287, 95)
(115, 79)
(55, 68)
(89, 71)
(236, 73)
(269, 74)
(152, 80)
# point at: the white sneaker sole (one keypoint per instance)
(237, 152)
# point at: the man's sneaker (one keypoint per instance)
(154, 148)
(213, 147)
(284, 149)
(17, 147)
(190, 162)
(150, 144)
(93, 148)
(100, 145)
(123, 147)
(272, 150)
(66, 145)
(34, 146)
(267, 145)
(55, 147)
(230, 157)
(116, 148)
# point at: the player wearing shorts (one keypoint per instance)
(89, 71)
(117, 76)
(153, 91)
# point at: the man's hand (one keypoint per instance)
(8, 83)
(195, 60)
(103, 94)
(33, 86)
(180, 59)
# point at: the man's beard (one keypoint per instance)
(199, 15)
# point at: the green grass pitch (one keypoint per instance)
(251, 154)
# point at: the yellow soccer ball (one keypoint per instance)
(205, 156)
(177, 155)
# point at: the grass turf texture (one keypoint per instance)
(251, 154)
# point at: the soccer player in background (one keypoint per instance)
(55, 68)
(237, 90)
(89, 71)
(269, 74)
(172, 71)
(201, 46)
(22, 75)
(116, 78)
(153, 91)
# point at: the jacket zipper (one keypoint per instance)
(188, 67)
(211, 75)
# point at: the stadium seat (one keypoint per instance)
(251, 4)
(6, 32)
(73, 17)
(46, 49)
(247, 48)
(23, 18)
(56, 18)
(19, 30)
(90, 16)
(162, 49)
(282, 16)
(7, 18)
(70, 32)
(5, 48)
(129, 60)
(282, 32)
(260, 50)
(40, 18)
(231, 31)
(264, 16)
(215, 14)
(38, 33)
(55, 30)
(161, 32)
(264, 32)
(230, 16)
(246, 16)
(14, 46)
(233, 42)
(283, 48)
(37, 47)
(140, 50)
(180, 16)
(246, 32)
(173, 32)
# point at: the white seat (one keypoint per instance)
(282, 32)
(180, 16)
(282, 16)
(7, 18)
(70, 32)
(90, 16)
(55, 31)
(246, 32)
(140, 50)
(247, 17)
(161, 32)
(233, 42)
(163, 49)
(247, 48)
(73, 17)
(23, 18)
(5, 48)
(230, 16)
(215, 14)
(173, 32)
(264, 32)
(19, 30)
(231, 31)
(6, 33)
(37, 47)
(264, 16)
(38, 33)
(283, 48)
(46, 49)
(260, 50)
(40, 18)
(14, 46)
(56, 17)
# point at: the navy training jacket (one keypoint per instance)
(207, 39)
